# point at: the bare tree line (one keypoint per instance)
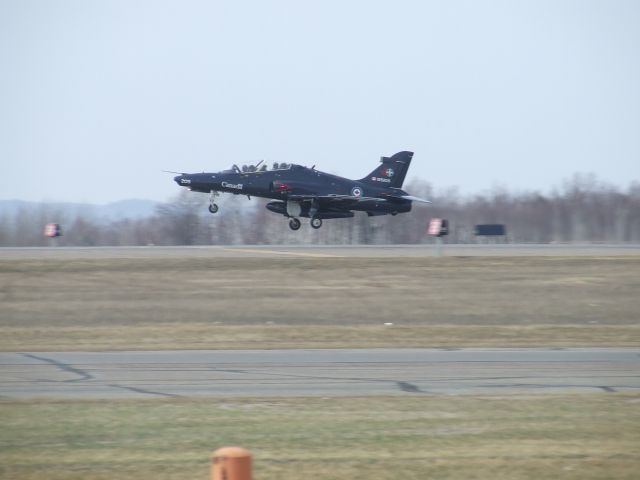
(582, 209)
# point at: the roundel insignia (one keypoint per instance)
(389, 172)
(356, 192)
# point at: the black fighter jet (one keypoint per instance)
(299, 191)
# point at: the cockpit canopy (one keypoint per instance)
(257, 168)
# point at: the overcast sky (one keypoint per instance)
(97, 97)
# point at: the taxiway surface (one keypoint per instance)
(259, 373)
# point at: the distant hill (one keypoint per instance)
(120, 210)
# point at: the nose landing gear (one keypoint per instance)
(213, 207)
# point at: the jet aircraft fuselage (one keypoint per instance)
(300, 191)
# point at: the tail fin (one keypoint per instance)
(392, 171)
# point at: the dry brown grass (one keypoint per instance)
(203, 336)
(252, 303)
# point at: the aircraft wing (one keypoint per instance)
(338, 199)
(351, 200)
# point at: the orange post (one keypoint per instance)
(231, 463)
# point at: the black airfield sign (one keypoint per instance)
(490, 230)
(299, 191)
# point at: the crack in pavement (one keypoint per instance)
(62, 366)
(607, 389)
(404, 386)
(142, 390)
(87, 376)
(538, 385)
(409, 387)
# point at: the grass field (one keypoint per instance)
(318, 302)
(415, 437)
(322, 303)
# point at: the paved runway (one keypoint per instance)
(317, 251)
(258, 373)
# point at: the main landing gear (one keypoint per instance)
(213, 207)
(294, 224)
(316, 222)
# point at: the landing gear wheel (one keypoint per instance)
(213, 208)
(294, 224)
(316, 222)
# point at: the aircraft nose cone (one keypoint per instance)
(184, 179)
